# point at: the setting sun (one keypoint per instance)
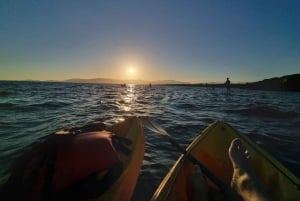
(131, 71)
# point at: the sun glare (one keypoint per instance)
(131, 71)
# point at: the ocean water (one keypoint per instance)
(31, 110)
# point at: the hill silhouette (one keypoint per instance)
(284, 83)
(116, 81)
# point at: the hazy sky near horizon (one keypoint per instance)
(194, 41)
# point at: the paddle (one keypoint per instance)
(156, 128)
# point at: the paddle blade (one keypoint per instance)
(153, 126)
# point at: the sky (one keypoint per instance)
(191, 41)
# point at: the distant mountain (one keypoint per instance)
(168, 82)
(95, 80)
(115, 81)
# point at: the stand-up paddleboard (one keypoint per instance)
(93, 162)
(211, 149)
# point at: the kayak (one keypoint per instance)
(210, 147)
(92, 162)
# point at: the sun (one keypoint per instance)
(131, 71)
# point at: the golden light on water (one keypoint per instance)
(128, 98)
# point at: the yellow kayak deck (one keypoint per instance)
(123, 188)
(211, 149)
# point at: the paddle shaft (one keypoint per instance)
(206, 171)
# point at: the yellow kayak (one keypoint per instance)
(92, 162)
(211, 149)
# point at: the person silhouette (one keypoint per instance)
(227, 85)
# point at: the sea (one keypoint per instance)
(31, 110)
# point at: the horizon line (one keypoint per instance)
(136, 81)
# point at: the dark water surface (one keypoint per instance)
(31, 110)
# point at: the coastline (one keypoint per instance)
(289, 83)
(285, 83)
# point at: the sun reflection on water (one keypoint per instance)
(128, 98)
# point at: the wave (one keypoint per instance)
(297, 124)
(265, 111)
(5, 93)
(49, 105)
(187, 106)
(7, 105)
(23, 107)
